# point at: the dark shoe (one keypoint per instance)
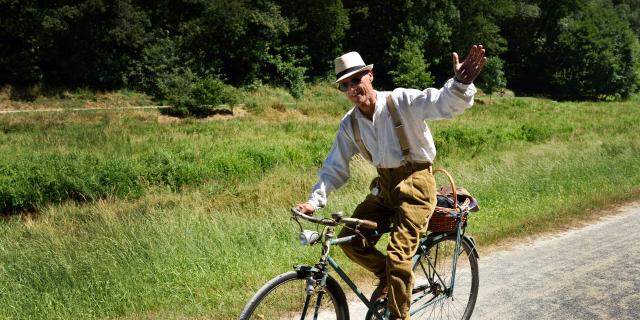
(380, 292)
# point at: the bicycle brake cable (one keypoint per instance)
(298, 222)
(355, 230)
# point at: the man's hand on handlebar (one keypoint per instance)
(305, 208)
(305, 211)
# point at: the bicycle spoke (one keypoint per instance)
(434, 269)
(288, 299)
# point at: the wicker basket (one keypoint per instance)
(445, 219)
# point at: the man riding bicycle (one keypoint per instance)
(388, 129)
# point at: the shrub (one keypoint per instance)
(213, 91)
(289, 72)
(175, 89)
(190, 96)
(492, 76)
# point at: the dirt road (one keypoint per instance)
(587, 273)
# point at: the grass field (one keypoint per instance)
(132, 215)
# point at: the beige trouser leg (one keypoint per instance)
(406, 200)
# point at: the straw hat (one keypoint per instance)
(348, 64)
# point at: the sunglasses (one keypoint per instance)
(344, 86)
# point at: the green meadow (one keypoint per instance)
(135, 215)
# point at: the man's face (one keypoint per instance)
(358, 86)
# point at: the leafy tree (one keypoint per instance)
(318, 28)
(412, 70)
(83, 43)
(244, 42)
(373, 25)
(533, 39)
(159, 61)
(91, 42)
(480, 22)
(597, 54)
(630, 10)
(492, 77)
(570, 48)
(20, 24)
(378, 29)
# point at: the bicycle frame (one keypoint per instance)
(326, 259)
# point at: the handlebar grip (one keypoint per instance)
(318, 220)
(368, 224)
(296, 212)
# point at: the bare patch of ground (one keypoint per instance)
(238, 112)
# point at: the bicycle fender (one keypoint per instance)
(472, 244)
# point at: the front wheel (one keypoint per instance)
(435, 295)
(285, 297)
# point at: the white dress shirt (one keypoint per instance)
(378, 135)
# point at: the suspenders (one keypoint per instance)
(397, 124)
(399, 127)
(356, 134)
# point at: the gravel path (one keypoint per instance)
(587, 273)
(80, 109)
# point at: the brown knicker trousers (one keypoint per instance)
(406, 201)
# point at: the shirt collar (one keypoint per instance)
(381, 101)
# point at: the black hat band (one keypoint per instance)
(343, 72)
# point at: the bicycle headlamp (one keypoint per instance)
(308, 237)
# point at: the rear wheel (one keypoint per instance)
(285, 297)
(433, 296)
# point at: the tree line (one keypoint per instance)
(568, 49)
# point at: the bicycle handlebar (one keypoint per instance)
(337, 218)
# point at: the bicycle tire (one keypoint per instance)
(284, 297)
(433, 276)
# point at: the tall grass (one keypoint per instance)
(198, 219)
(50, 160)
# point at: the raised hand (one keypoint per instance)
(469, 69)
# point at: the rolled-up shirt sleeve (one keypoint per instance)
(335, 170)
(444, 103)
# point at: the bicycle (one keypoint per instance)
(443, 262)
